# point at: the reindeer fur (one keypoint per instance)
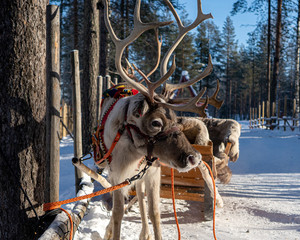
(219, 131)
(174, 150)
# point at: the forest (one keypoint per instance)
(265, 69)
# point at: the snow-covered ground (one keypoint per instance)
(262, 201)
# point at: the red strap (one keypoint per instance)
(103, 121)
(107, 155)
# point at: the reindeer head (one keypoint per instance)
(153, 113)
(159, 126)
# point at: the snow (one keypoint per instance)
(262, 201)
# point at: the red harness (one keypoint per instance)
(98, 137)
(117, 92)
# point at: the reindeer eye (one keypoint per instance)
(156, 123)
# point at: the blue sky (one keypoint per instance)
(220, 9)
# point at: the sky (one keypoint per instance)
(220, 9)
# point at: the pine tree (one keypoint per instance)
(23, 116)
(208, 42)
(229, 51)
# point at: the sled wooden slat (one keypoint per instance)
(183, 193)
(192, 182)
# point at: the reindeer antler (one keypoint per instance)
(149, 91)
(169, 88)
(183, 30)
(190, 106)
(132, 74)
(211, 100)
(138, 29)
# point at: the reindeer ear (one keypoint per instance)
(138, 107)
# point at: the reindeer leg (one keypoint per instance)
(140, 191)
(152, 182)
(207, 178)
(117, 215)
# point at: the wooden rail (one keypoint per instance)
(273, 118)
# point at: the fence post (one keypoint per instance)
(76, 114)
(278, 114)
(250, 118)
(65, 119)
(263, 114)
(53, 103)
(259, 115)
(108, 81)
(268, 122)
(255, 117)
(99, 95)
(70, 126)
(273, 117)
(285, 112)
(295, 115)
(116, 80)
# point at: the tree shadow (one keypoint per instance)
(23, 147)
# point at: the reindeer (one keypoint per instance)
(151, 126)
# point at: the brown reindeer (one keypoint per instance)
(151, 126)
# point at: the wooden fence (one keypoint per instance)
(66, 120)
(272, 117)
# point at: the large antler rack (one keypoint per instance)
(170, 88)
(197, 104)
(138, 29)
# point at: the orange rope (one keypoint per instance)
(173, 200)
(71, 222)
(54, 205)
(214, 213)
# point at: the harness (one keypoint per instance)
(101, 152)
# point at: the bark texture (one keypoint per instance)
(22, 111)
(274, 83)
(90, 71)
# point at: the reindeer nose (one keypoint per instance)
(191, 159)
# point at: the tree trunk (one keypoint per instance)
(23, 115)
(103, 43)
(277, 53)
(297, 60)
(75, 31)
(90, 71)
(269, 53)
(228, 87)
(252, 102)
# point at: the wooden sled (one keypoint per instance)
(190, 185)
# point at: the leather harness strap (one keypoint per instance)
(98, 137)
